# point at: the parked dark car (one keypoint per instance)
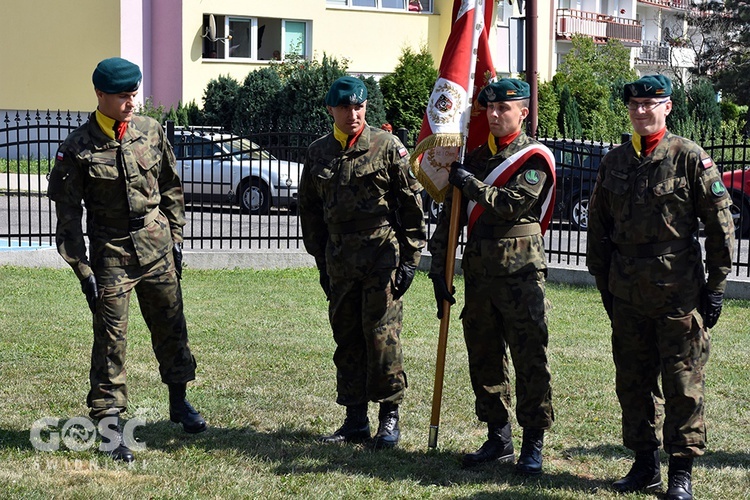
(576, 165)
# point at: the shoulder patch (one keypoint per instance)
(59, 156)
(707, 162)
(718, 189)
(531, 176)
(402, 151)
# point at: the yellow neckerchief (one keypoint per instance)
(637, 143)
(106, 123)
(646, 144)
(492, 144)
(346, 141)
(340, 136)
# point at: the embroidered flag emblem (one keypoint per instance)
(707, 163)
(402, 151)
(59, 156)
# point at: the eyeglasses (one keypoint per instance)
(645, 106)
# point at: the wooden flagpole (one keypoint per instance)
(450, 257)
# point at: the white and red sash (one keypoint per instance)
(503, 172)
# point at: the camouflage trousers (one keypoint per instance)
(366, 324)
(649, 344)
(160, 299)
(501, 314)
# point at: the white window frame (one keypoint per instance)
(348, 4)
(308, 37)
(224, 44)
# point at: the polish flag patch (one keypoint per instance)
(59, 156)
(402, 151)
(707, 163)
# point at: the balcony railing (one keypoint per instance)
(653, 53)
(600, 27)
(670, 4)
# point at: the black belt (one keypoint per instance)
(133, 224)
(492, 232)
(655, 249)
(354, 226)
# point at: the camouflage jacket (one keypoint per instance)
(517, 202)
(122, 185)
(643, 203)
(360, 207)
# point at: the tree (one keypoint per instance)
(256, 108)
(593, 74)
(407, 90)
(219, 101)
(704, 108)
(301, 102)
(549, 109)
(568, 121)
(375, 104)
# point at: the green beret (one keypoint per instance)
(505, 89)
(346, 90)
(115, 75)
(648, 86)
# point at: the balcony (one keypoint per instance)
(668, 4)
(653, 53)
(600, 27)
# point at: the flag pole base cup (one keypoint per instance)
(432, 443)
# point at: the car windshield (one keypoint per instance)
(247, 150)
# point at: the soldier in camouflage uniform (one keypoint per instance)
(504, 268)
(122, 168)
(650, 195)
(362, 220)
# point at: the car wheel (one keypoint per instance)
(740, 215)
(579, 212)
(255, 197)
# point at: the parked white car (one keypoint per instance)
(223, 167)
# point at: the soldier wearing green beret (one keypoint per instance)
(651, 194)
(507, 187)
(121, 168)
(362, 220)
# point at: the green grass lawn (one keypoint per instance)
(266, 387)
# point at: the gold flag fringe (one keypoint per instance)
(430, 142)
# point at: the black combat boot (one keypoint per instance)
(499, 446)
(112, 442)
(680, 471)
(645, 474)
(356, 426)
(182, 412)
(388, 433)
(530, 459)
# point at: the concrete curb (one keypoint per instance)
(283, 259)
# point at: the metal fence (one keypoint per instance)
(241, 191)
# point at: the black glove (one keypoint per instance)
(177, 253)
(441, 293)
(404, 277)
(607, 299)
(90, 290)
(458, 175)
(710, 306)
(325, 282)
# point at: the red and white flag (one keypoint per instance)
(465, 68)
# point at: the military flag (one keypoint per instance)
(466, 66)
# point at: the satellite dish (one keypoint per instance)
(212, 28)
(211, 31)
